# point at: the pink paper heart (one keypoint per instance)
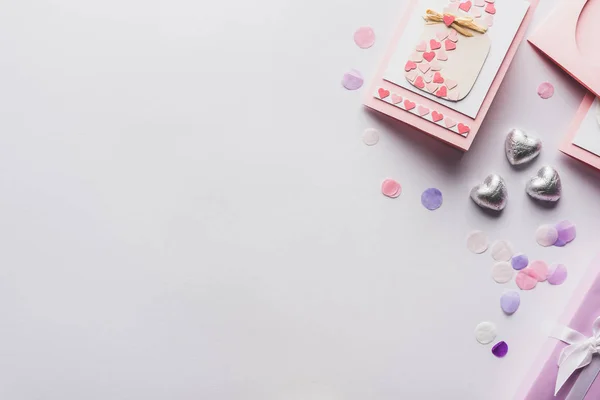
(383, 93)
(462, 129)
(422, 46)
(431, 87)
(409, 105)
(490, 8)
(466, 6)
(453, 95)
(410, 66)
(428, 77)
(443, 92)
(424, 67)
(396, 98)
(479, 3)
(436, 66)
(448, 19)
(434, 44)
(411, 75)
(442, 55)
(453, 35)
(422, 110)
(451, 84)
(419, 82)
(436, 116)
(449, 122)
(441, 35)
(438, 78)
(416, 57)
(449, 45)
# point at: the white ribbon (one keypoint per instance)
(577, 354)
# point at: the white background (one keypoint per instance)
(188, 212)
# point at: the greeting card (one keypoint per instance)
(583, 140)
(569, 37)
(446, 62)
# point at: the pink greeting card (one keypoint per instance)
(446, 62)
(569, 37)
(583, 140)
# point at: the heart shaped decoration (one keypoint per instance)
(453, 35)
(431, 87)
(546, 185)
(419, 82)
(436, 116)
(424, 67)
(438, 78)
(383, 93)
(422, 110)
(409, 105)
(466, 6)
(410, 66)
(443, 92)
(434, 44)
(428, 55)
(449, 19)
(462, 129)
(428, 77)
(490, 8)
(421, 46)
(520, 147)
(396, 98)
(441, 35)
(411, 75)
(450, 45)
(491, 194)
(441, 55)
(449, 122)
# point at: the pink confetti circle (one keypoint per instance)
(525, 281)
(391, 188)
(538, 270)
(364, 37)
(545, 90)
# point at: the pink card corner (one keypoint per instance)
(567, 145)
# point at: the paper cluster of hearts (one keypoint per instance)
(520, 148)
(447, 63)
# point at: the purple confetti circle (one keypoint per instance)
(557, 274)
(566, 231)
(519, 261)
(510, 301)
(500, 349)
(432, 199)
(352, 80)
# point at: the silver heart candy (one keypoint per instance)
(491, 194)
(521, 147)
(545, 185)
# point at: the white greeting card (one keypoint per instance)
(454, 70)
(588, 136)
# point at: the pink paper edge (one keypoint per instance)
(567, 145)
(549, 345)
(449, 137)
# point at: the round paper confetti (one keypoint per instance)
(566, 231)
(546, 235)
(500, 349)
(501, 251)
(502, 272)
(557, 274)
(485, 332)
(370, 136)
(525, 281)
(538, 270)
(391, 188)
(560, 243)
(545, 90)
(477, 242)
(364, 37)
(432, 199)
(352, 80)
(519, 261)
(510, 301)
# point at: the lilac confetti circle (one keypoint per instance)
(510, 301)
(352, 80)
(500, 349)
(545, 90)
(432, 199)
(519, 261)
(557, 274)
(566, 231)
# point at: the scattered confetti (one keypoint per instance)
(485, 332)
(502, 251)
(525, 281)
(391, 188)
(477, 242)
(502, 272)
(500, 349)
(352, 80)
(566, 232)
(557, 274)
(538, 270)
(546, 235)
(370, 136)
(519, 261)
(545, 90)
(364, 37)
(432, 199)
(510, 301)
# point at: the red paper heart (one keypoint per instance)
(449, 19)
(419, 82)
(410, 66)
(383, 93)
(409, 105)
(490, 8)
(434, 44)
(466, 6)
(438, 78)
(449, 44)
(429, 55)
(436, 116)
(462, 128)
(442, 92)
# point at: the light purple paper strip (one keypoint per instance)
(584, 381)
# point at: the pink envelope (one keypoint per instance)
(570, 37)
(384, 96)
(567, 145)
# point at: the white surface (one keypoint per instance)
(157, 246)
(588, 136)
(506, 24)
